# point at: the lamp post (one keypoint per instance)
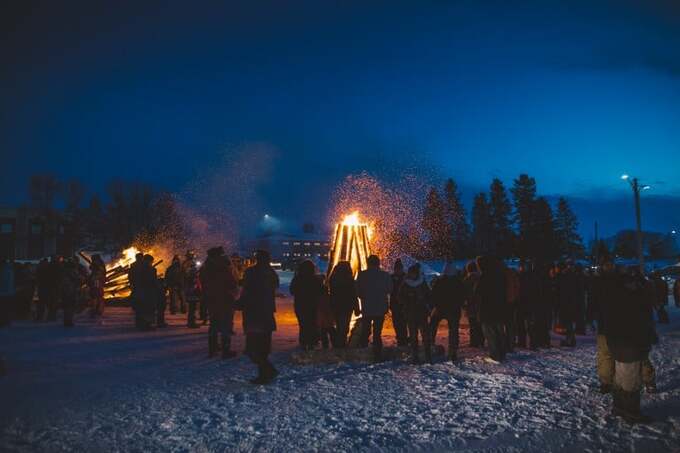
(635, 185)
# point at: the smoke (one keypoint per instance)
(225, 199)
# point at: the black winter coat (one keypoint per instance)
(490, 292)
(415, 299)
(629, 323)
(448, 295)
(343, 294)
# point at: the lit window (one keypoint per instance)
(6, 228)
(36, 228)
(317, 243)
(296, 243)
(307, 243)
(286, 243)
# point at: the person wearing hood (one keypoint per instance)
(70, 283)
(448, 295)
(397, 307)
(472, 305)
(490, 290)
(219, 286)
(343, 300)
(258, 302)
(415, 295)
(307, 290)
(373, 288)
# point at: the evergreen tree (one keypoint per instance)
(601, 252)
(435, 226)
(482, 229)
(569, 242)
(542, 242)
(500, 211)
(524, 198)
(456, 221)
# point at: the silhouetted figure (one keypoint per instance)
(174, 281)
(490, 290)
(96, 283)
(373, 288)
(630, 333)
(7, 292)
(134, 277)
(472, 305)
(343, 300)
(415, 295)
(676, 292)
(511, 299)
(147, 292)
(191, 288)
(69, 284)
(307, 289)
(42, 281)
(570, 292)
(53, 287)
(448, 296)
(529, 294)
(219, 288)
(397, 307)
(258, 302)
(660, 290)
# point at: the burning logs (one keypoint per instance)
(350, 243)
(117, 284)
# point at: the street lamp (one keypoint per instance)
(635, 185)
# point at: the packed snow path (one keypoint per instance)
(110, 388)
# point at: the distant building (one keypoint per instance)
(25, 234)
(289, 249)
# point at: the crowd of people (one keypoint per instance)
(505, 308)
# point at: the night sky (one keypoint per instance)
(172, 93)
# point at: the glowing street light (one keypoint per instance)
(635, 185)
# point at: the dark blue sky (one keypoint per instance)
(574, 93)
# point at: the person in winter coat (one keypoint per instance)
(373, 288)
(569, 293)
(174, 281)
(448, 296)
(96, 283)
(307, 289)
(325, 321)
(258, 304)
(70, 283)
(629, 332)
(415, 295)
(146, 293)
(608, 284)
(7, 292)
(42, 281)
(491, 293)
(676, 292)
(396, 307)
(53, 289)
(191, 288)
(511, 297)
(472, 305)
(542, 310)
(219, 287)
(529, 295)
(343, 299)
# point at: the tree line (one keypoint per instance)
(133, 212)
(515, 224)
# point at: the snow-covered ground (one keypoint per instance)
(110, 388)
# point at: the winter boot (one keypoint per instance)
(415, 359)
(227, 353)
(263, 375)
(605, 388)
(428, 354)
(453, 355)
(212, 345)
(632, 412)
(377, 355)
